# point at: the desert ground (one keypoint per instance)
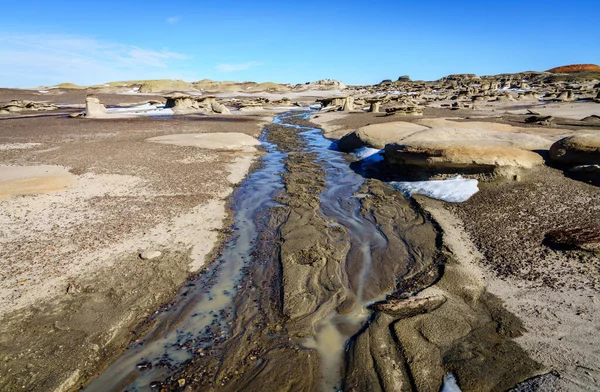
(371, 265)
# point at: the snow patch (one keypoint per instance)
(450, 384)
(369, 154)
(454, 190)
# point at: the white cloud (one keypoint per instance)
(173, 19)
(28, 60)
(237, 67)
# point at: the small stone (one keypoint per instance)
(181, 382)
(73, 288)
(150, 254)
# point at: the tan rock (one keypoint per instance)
(577, 150)
(93, 108)
(378, 135)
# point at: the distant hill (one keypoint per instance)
(575, 68)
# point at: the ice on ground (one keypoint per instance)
(454, 190)
(450, 384)
(145, 106)
(43, 91)
(368, 154)
(142, 110)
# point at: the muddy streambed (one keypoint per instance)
(286, 305)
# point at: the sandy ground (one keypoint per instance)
(79, 200)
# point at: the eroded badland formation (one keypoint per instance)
(368, 265)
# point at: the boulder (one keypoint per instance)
(219, 108)
(577, 150)
(348, 104)
(93, 108)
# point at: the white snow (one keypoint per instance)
(144, 107)
(43, 91)
(455, 190)
(369, 154)
(142, 110)
(450, 384)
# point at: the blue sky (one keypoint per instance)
(358, 42)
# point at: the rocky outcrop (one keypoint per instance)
(460, 156)
(464, 150)
(577, 150)
(93, 108)
(203, 104)
(165, 85)
(343, 103)
(19, 106)
(324, 84)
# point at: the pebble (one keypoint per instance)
(150, 254)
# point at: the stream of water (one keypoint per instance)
(196, 318)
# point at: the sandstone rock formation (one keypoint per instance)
(378, 135)
(19, 106)
(204, 104)
(93, 108)
(165, 85)
(577, 150)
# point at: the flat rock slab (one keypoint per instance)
(26, 180)
(211, 141)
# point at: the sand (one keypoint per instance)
(26, 180)
(77, 207)
(561, 325)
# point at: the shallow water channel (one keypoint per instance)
(216, 308)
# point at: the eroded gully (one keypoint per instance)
(312, 245)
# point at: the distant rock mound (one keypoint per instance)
(575, 68)
(19, 106)
(325, 84)
(164, 85)
(205, 104)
